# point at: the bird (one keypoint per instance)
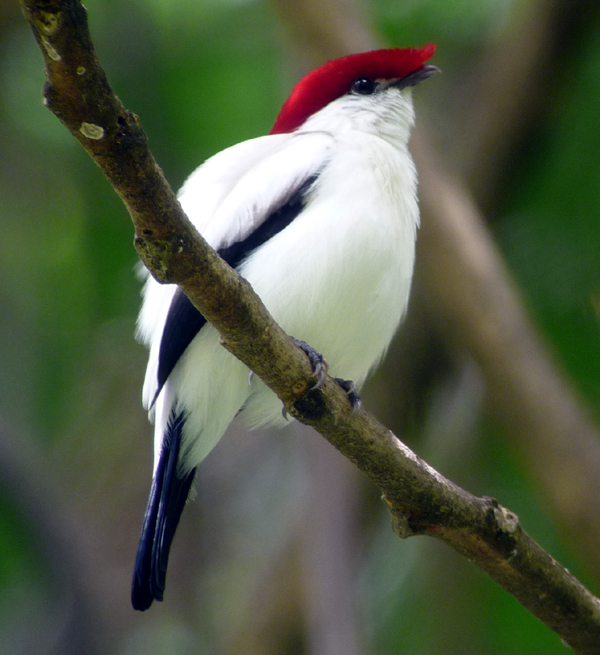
(320, 216)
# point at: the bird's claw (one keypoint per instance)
(318, 362)
(353, 397)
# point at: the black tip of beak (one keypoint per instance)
(417, 76)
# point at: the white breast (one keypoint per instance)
(339, 276)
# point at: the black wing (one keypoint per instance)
(170, 490)
(182, 325)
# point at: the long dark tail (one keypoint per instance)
(165, 505)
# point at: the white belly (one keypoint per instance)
(345, 294)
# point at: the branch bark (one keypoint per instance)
(420, 499)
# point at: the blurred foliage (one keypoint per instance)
(202, 75)
(550, 229)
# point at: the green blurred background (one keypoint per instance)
(286, 549)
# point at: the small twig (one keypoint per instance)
(420, 499)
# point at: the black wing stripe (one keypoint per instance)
(184, 321)
(169, 491)
(167, 500)
(278, 220)
(182, 325)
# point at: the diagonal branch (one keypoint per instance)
(420, 499)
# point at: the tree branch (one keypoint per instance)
(420, 499)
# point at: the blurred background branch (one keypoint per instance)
(71, 622)
(515, 114)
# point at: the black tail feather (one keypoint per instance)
(167, 499)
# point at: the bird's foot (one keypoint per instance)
(353, 397)
(318, 362)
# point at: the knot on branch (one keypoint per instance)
(47, 22)
(310, 407)
(504, 525)
(157, 254)
(400, 524)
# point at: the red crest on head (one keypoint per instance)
(333, 80)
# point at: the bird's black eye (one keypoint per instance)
(364, 86)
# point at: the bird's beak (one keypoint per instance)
(416, 77)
